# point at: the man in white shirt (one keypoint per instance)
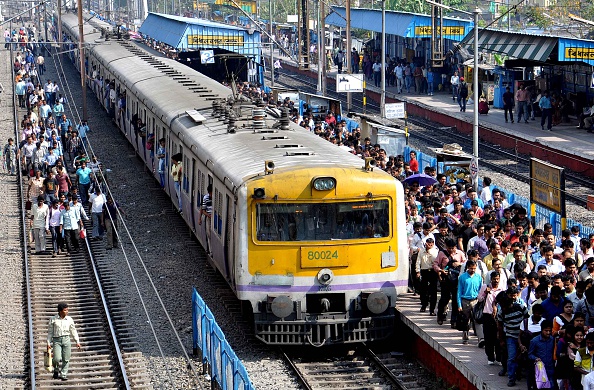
(553, 266)
(455, 81)
(97, 200)
(61, 328)
(38, 215)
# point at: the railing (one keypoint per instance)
(218, 359)
(543, 215)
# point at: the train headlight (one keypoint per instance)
(324, 183)
(282, 306)
(377, 302)
(325, 276)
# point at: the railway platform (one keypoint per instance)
(440, 349)
(565, 145)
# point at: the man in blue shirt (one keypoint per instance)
(84, 182)
(542, 349)
(553, 305)
(469, 285)
(547, 110)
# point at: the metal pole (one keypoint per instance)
(271, 46)
(46, 44)
(475, 130)
(60, 40)
(320, 56)
(348, 48)
(81, 50)
(383, 85)
(323, 46)
(508, 17)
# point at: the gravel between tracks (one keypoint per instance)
(173, 260)
(14, 343)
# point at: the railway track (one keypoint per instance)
(363, 369)
(109, 357)
(511, 163)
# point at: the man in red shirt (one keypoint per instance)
(413, 163)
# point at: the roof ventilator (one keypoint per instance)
(231, 128)
(227, 115)
(217, 108)
(258, 118)
(284, 120)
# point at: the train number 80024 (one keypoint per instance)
(322, 255)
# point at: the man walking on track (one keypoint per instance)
(61, 328)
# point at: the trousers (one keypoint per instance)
(39, 237)
(112, 238)
(56, 238)
(428, 289)
(62, 351)
(178, 193)
(97, 229)
(449, 290)
(467, 309)
(492, 347)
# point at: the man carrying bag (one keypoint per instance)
(469, 285)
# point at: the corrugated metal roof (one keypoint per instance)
(399, 23)
(164, 29)
(200, 22)
(515, 45)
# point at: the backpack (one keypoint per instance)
(464, 90)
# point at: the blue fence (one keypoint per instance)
(543, 215)
(224, 366)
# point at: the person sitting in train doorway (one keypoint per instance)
(206, 212)
(176, 173)
(161, 161)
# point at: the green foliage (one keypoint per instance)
(535, 16)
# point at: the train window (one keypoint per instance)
(217, 212)
(322, 221)
(199, 177)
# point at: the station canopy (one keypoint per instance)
(186, 34)
(404, 24)
(525, 48)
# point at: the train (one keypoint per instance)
(311, 239)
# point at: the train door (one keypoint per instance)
(192, 207)
(228, 242)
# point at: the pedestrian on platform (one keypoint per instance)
(488, 294)
(522, 99)
(455, 82)
(542, 350)
(469, 285)
(584, 361)
(510, 317)
(61, 329)
(355, 60)
(448, 265)
(427, 276)
(462, 94)
(399, 73)
(418, 74)
(339, 60)
(377, 73)
(408, 77)
(508, 104)
(546, 107)
(430, 81)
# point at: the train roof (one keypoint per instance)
(171, 90)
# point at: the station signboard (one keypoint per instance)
(547, 185)
(395, 111)
(349, 82)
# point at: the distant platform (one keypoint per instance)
(565, 145)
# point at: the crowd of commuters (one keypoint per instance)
(61, 178)
(526, 294)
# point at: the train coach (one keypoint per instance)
(310, 238)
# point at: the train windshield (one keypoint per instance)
(322, 221)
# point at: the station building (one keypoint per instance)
(215, 49)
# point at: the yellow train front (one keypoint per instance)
(326, 254)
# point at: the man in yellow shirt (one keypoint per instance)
(176, 173)
(494, 253)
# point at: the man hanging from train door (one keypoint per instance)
(206, 211)
(176, 173)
